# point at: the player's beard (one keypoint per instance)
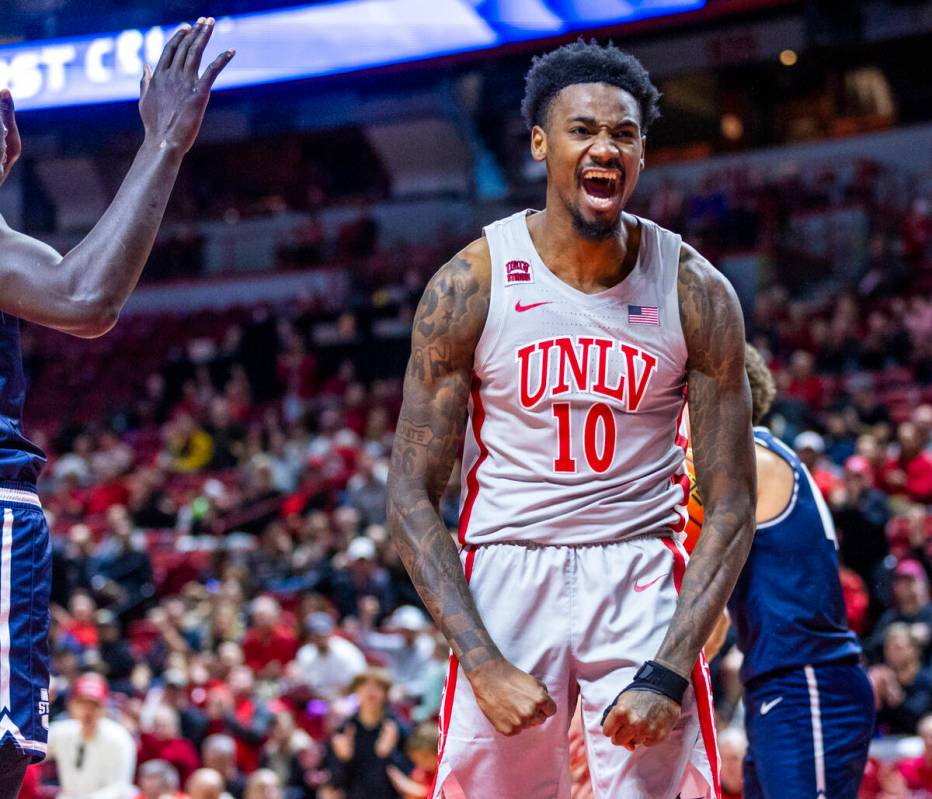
(594, 231)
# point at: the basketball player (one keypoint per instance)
(81, 294)
(570, 335)
(809, 705)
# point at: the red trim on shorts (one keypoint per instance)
(449, 687)
(702, 683)
(472, 480)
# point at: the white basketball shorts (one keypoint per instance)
(582, 620)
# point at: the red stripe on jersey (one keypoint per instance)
(702, 683)
(472, 479)
(681, 439)
(449, 687)
(681, 478)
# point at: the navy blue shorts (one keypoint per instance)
(25, 584)
(808, 732)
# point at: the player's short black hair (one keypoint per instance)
(586, 62)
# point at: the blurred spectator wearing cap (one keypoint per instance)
(810, 447)
(366, 743)
(95, 756)
(861, 515)
(406, 643)
(911, 606)
(909, 474)
(161, 740)
(360, 576)
(269, 645)
(902, 687)
(158, 779)
(917, 771)
(327, 663)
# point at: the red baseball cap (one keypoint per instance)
(90, 686)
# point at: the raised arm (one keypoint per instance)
(723, 454)
(447, 327)
(83, 292)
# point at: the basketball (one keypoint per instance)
(694, 509)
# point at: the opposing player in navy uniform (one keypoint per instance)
(809, 705)
(82, 294)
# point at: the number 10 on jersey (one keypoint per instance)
(599, 423)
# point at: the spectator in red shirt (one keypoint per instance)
(163, 741)
(79, 622)
(269, 645)
(910, 473)
(804, 383)
(235, 710)
(917, 771)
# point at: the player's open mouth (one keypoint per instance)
(601, 186)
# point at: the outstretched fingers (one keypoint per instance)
(170, 50)
(192, 61)
(190, 37)
(214, 69)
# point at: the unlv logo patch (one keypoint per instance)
(518, 272)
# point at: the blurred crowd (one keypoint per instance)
(230, 620)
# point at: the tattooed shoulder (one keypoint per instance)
(709, 310)
(452, 313)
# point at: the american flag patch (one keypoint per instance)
(643, 315)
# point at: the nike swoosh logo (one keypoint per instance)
(638, 588)
(766, 707)
(522, 308)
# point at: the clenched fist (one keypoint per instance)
(640, 718)
(511, 699)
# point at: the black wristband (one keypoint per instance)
(658, 680)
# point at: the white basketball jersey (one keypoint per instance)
(575, 414)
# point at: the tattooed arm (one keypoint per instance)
(447, 327)
(723, 453)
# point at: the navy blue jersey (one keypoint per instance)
(20, 459)
(787, 607)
